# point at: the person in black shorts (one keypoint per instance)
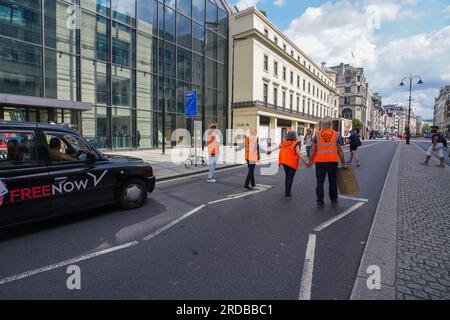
(355, 142)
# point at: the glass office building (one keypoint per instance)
(117, 70)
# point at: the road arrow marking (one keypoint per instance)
(258, 189)
(338, 217)
(353, 198)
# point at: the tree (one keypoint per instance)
(357, 124)
(264, 13)
(426, 128)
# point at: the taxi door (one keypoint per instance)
(78, 182)
(25, 188)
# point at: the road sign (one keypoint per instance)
(191, 104)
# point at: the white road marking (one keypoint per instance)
(199, 175)
(308, 269)
(66, 262)
(338, 217)
(353, 198)
(170, 225)
(258, 189)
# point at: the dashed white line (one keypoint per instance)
(66, 263)
(308, 268)
(170, 225)
(338, 217)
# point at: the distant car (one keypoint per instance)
(50, 170)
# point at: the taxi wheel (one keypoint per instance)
(133, 194)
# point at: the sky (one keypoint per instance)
(390, 39)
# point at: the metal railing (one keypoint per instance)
(272, 107)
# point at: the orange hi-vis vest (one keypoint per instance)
(288, 156)
(326, 146)
(251, 149)
(213, 144)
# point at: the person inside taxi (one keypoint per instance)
(57, 155)
(14, 154)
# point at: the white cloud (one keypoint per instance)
(447, 9)
(279, 2)
(330, 32)
(244, 4)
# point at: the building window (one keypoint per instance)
(283, 101)
(292, 77)
(348, 89)
(284, 47)
(284, 73)
(304, 105)
(265, 92)
(314, 90)
(298, 103)
(266, 63)
(298, 81)
(309, 87)
(347, 100)
(292, 53)
(348, 79)
(291, 101)
(275, 97)
(304, 84)
(266, 33)
(275, 39)
(275, 68)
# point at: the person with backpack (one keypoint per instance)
(355, 143)
(438, 143)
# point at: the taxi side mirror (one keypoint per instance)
(91, 156)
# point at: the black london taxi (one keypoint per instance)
(50, 170)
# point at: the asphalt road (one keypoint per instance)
(425, 144)
(194, 240)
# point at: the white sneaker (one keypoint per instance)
(211, 181)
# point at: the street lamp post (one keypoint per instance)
(411, 77)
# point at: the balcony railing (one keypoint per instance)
(272, 107)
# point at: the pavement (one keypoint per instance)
(171, 164)
(409, 239)
(193, 240)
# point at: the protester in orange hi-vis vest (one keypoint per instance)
(252, 156)
(212, 143)
(326, 154)
(289, 156)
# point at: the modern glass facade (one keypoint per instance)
(133, 60)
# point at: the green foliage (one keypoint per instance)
(357, 124)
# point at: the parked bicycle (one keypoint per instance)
(195, 159)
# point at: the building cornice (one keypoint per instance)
(256, 34)
(254, 10)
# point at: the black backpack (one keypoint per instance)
(444, 142)
(358, 141)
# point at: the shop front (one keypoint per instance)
(31, 109)
(273, 125)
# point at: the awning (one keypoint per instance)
(12, 99)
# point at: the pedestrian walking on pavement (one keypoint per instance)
(326, 153)
(355, 143)
(289, 156)
(437, 147)
(307, 142)
(212, 144)
(252, 156)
